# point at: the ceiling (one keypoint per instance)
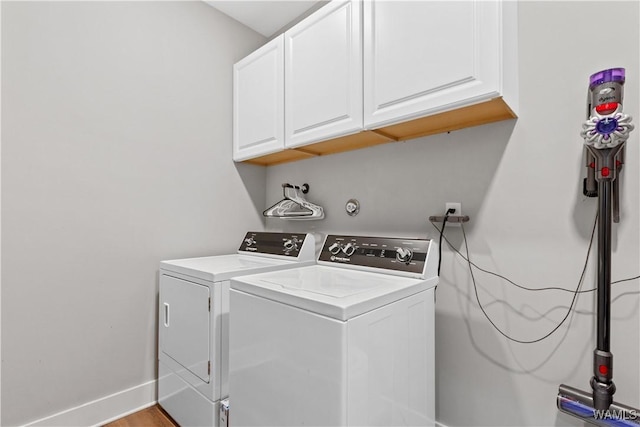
(264, 16)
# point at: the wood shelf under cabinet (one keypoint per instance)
(491, 111)
(473, 115)
(337, 145)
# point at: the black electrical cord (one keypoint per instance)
(444, 223)
(550, 288)
(620, 281)
(574, 292)
(566, 316)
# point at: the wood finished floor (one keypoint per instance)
(153, 416)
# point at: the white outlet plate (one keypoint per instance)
(454, 205)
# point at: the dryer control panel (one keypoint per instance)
(390, 253)
(286, 244)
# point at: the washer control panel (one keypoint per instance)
(389, 253)
(287, 244)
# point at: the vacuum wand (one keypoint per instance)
(605, 133)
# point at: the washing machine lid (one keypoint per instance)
(333, 292)
(223, 267)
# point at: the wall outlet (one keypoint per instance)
(453, 205)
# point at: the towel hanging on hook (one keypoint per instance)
(294, 205)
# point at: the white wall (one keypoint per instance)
(520, 181)
(116, 153)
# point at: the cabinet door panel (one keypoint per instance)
(184, 324)
(425, 57)
(258, 102)
(323, 84)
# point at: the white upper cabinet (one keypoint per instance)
(425, 57)
(258, 102)
(364, 72)
(323, 75)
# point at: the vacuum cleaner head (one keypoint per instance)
(580, 404)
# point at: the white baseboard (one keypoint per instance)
(104, 410)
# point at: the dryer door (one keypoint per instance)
(184, 324)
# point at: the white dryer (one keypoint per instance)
(346, 342)
(193, 321)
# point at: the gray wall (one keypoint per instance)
(520, 181)
(116, 153)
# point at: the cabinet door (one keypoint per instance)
(258, 102)
(323, 85)
(184, 324)
(423, 57)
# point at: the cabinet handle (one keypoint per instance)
(166, 315)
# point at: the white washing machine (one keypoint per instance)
(193, 331)
(346, 342)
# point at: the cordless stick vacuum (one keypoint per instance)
(605, 133)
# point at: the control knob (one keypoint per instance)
(334, 248)
(404, 255)
(349, 249)
(290, 244)
(249, 241)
